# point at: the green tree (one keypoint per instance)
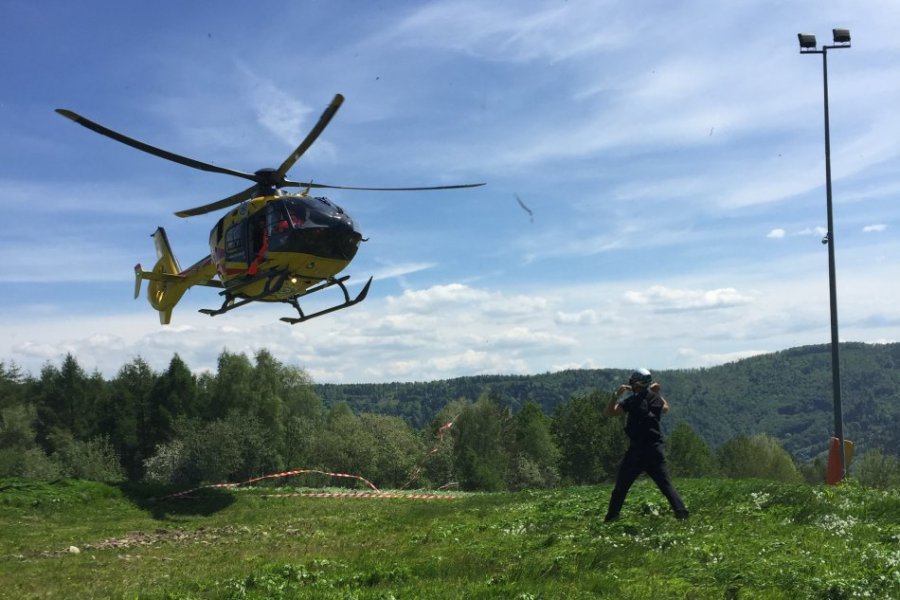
(17, 415)
(126, 417)
(757, 456)
(437, 470)
(63, 401)
(688, 454)
(299, 394)
(535, 454)
(233, 388)
(343, 445)
(480, 455)
(397, 449)
(17, 419)
(591, 445)
(11, 386)
(20, 455)
(269, 386)
(174, 396)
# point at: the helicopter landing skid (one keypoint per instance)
(347, 301)
(230, 302)
(273, 284)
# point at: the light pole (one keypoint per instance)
(808, 46)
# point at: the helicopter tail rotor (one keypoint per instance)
(168, 282)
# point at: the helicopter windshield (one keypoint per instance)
(285, 215)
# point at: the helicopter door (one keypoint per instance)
(236, 243)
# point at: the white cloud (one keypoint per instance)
(813, 231)
(442, 297)
(497, 32)
(286, 117)
(698, 359)
(655, 175)
(664, 299)
(583, 317)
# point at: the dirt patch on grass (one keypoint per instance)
(136, 539)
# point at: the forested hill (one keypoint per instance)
(786, 394)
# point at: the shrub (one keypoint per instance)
(688, 454)
(877, 470)
(167, 464)
(94, 459)
(757, 456)
(32, 463)
(230, 449)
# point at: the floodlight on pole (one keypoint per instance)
(807, 41)
(841, 36)
(808, 46)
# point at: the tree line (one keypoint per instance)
(786, 394)
(259, 416)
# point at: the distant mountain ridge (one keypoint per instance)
(787, 394)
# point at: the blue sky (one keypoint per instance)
(672, 156)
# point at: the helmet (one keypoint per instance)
(641, 377)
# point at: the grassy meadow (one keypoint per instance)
(745, 539)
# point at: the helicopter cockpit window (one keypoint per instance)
(276, 218)
(330, 204)
(292, 216)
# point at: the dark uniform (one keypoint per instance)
(645, 454)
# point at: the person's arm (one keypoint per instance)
(655, 388)
(614, 409)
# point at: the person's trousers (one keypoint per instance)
(640, 459)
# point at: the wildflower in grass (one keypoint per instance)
(836, 524)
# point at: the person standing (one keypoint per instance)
(644, 408)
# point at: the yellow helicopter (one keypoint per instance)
(273, 247)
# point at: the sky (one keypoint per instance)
(655, 178)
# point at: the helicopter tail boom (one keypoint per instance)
(168, 282)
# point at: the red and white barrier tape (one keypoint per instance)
(394, 495)
(417, 470)
(375, 493)
(273, 476)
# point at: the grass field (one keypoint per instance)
(745, 539)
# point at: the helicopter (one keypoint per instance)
(273, 247)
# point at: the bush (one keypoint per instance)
(813, 471)
(167, 464)
(526, 474)
(94, 459)
(757, 456)
(688, 454)
(877, 470)
(37, 465)
(32, 463)
(231, 449)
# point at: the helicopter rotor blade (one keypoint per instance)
(124, 139)
(310, 184)
(314, 133)
(224, 203)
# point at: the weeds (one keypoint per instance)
(745, 539)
